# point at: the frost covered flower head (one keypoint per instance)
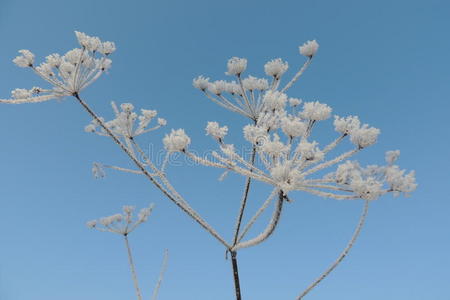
(176, 141)
(364, 136)
(122, 223)
(127, 123)
(276, 67)
(236, 66)
(309, 48)
(315, 111)
(201, 83)
(67, 74)
(213, 129)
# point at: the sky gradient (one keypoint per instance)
(384, 61)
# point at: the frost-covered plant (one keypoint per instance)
(284, 154)
(123, 224)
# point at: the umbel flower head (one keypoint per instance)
(122, 223)
(127, 123)
(67, 74)
(245, 96)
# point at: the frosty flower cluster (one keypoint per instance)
(281, 136)
(246, 95)
(122, 223)
(67, 74)
(128, 124)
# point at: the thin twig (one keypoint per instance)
(132, 268)
(161, 274)
(343, 254)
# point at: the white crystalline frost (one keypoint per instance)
(255, 134)
(236, 66)
(315, 111)
(293, 127)
(213, 129)
(201, 83)
(24, 60)
(364, 136)
(276, 67)
(177, 140)
(392, 156)
(274, 100)
(346, 125)
(309, 48)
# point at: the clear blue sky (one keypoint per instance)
(385, 61)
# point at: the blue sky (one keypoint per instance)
(385, 61)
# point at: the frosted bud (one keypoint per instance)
(364, 136)
(24, 60)
(201, 83)
(228, 150)
(82, 38)
(346, 125)
(46, 69)
(236, 66)
(177, 140)
(252, 83)
(309, 151)
(213, 129)
(274, 147)
(148, 113)
(392, 156)
(369, 189)
(106, 64)
(346, 171)
(107, 48)
(233, 88)
(309, 48)
(218, 86)
(21, 94)
(144, 213)
(274, 100)
(294, 102)
(162, 122)
(315, 111)
(293, 127)
(127, 107)
(54, 60)
(276, 67)
(91, 224)
(255, 134)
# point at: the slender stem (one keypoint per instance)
(244, 201)
(181, 204)
(161, 275)
(237, 286)
(297, 76)
(343, 254)
(132, 268)
(269, 229)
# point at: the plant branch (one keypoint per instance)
(132, 268)
(343, 254)
(181, 204)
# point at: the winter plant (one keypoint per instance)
(123, 224)
(279, 130)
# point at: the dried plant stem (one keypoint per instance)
(237, 285)
(132, 268)
(244, 201)
(269, 229)
(181, 204)
(343, 254)
(161, 275)
(297, 76)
